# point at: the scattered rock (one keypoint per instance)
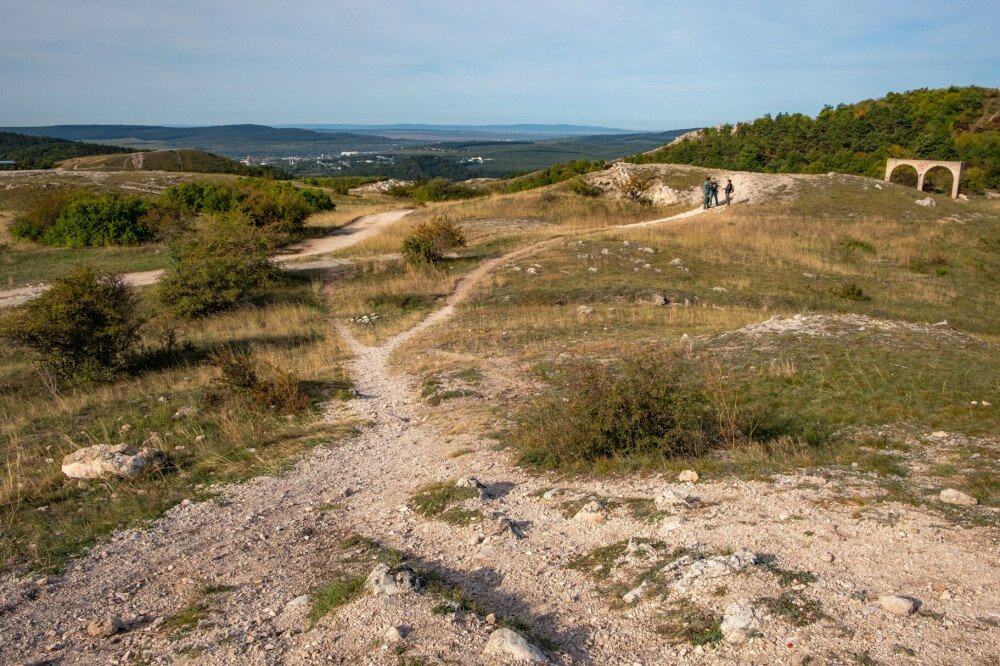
(532, 271)
(952, 496)
(926, 202)
(592, 512)
(740, 621)
(552, 493)
(383, 580)
(688, 475)
(719, 289)
(668, 499)
(105, 627)
(634, 595)
(512, 644)
(584, 310)
(104, 460)
(899, 605)
(652, 299)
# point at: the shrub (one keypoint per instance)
(83, 220)
(437, 189)
(641, 409)
(851, 291)
(252, 383)
(583, 188)
(85, 328)
(216, 267)
(430, 240)
(198, 197)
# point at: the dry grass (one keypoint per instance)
(45, 517)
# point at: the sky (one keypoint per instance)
(635, 64)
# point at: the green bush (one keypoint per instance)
(85, 220)
(217, 266)
(437, 189)
(430, 240)
(85, 328)
(554, 174)
(637, 412)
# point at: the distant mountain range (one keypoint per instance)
(420, 131)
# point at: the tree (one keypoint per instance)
(215, 267)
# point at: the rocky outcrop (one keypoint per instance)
(104, 460)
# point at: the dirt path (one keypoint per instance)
(345, 237)
(263, 544)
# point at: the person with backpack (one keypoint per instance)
(706, 191)
(729, 189)
(715, 191)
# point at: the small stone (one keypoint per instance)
(552, 493)
(828, 557)
(294, 617)
(740, 621)
(473, 483)
(952, 496)
(185, 412)
(199, 439)
(584, 310)
(393, 635)
(668, 499)
(512, 644)
(491, 619)
(719, 289)
(926, 202)
(939, 434)
(383, 580)
(592, 512)
(688, 475)
(898, 605)
(105, 627)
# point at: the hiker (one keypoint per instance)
(715, 191)
(729, 189)
(706, 190)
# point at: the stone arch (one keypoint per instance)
(905, 174)
(923, 166)
(936, 180)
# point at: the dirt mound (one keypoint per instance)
(665, 184)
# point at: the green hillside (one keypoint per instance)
(42, 152)
(957, 123)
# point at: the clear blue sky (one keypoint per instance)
(641, 64)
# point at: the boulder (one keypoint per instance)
(688, 475)
(926, 202)
(394, 635)
(899, 605)
(105, 627)
(740, 621)
(509, 643)
(952, 496)
(387, 581)
(104, 460)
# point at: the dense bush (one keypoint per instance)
(856, 138)
(639, 411)
(431, 240)
(220, 264)
(85, 328)
(437, 189)
(85, 220)
(266, 203)
(554, 174)
(342, 184)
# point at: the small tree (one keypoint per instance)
(85, 328)
(216, 267)
(430, 240)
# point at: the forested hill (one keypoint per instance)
(946, 124)
(42, 152)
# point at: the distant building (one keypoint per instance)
(8, 164)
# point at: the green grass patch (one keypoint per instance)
(692, 624)
(333, 595)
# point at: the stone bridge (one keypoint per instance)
(923, 166)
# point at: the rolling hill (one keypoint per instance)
(42, 152)
(184, 159)
(957, 123)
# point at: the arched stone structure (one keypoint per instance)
(923, 166)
